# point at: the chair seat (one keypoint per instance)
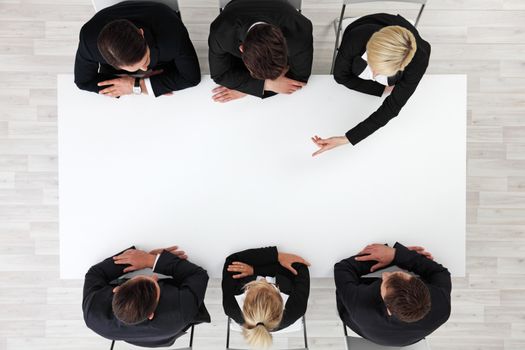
(297, 326)
(354, 343)
(349, 20)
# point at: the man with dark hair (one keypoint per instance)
(397, 309)
(260, 48)
(145, 310)
(135, 47)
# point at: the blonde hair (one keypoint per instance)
(390, 50)
(263, 312)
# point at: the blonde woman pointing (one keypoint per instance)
(379, 54)
(264, 290)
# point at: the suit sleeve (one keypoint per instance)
(183, 72)
(347, 275)
(99, 276)
(391, 105)
(86, 69)
(344, 75)
(191, 280)
(229, 71)
(297, 303)
(429, 270)
(261, 257)
(301, 62)
(347, 58)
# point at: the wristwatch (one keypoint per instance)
(136, 88)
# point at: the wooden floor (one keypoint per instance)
(483, 38)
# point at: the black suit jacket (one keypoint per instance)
(168, 40)
(349, 65)
(265, 263)
(229, 29)
(181, 302)
(361, 306)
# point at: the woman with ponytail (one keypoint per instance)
(264, 291)
(379, 54)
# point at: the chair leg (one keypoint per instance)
(112, 345)
(228, 334)
(191, 335)
(304, 333)
(337, 35)
(419, 15)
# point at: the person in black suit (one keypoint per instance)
(379, 54)
(255, 284)
(144, 310)
(398, 309)
(135, 47)
(260, 48)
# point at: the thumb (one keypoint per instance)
(292, 270)
(376, 267)
(129, 269)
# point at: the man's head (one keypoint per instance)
(390, 50)
(123, 46)
(264, 52)
(405, 296)
(136, 299)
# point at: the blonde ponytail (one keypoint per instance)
(263, 312)
(390, 50)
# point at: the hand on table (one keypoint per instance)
(242, 270)
(138, 259)
(384, 255)
(117, 87)
(283, 85)
(328, 144)
(173, 250)
(286, 260)
(223, 94)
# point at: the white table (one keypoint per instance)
(217, 178)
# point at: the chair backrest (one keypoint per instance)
(101, 4)
(355, 343)
(347, 2)
(297, 4)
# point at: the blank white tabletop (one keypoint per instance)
(218, 178)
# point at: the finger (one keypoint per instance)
(106, 90)
(183, 257)
(122, 262)
(131, 268)
(173, 247)
(219, 89)
(319, 152)
(365, 257)
(416, 248)
(376, 267)
(299, 84)
(238, 263)
(292, 270)
(168, 94)
(179, 252)
(218, 96)
(107, 82)
(225, 99)
(239, 275)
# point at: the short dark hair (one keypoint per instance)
(121, 44)
(408, 299)
(265, 53)
(135, 300)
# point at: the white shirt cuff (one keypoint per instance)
(155, 264)
(147, 82)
